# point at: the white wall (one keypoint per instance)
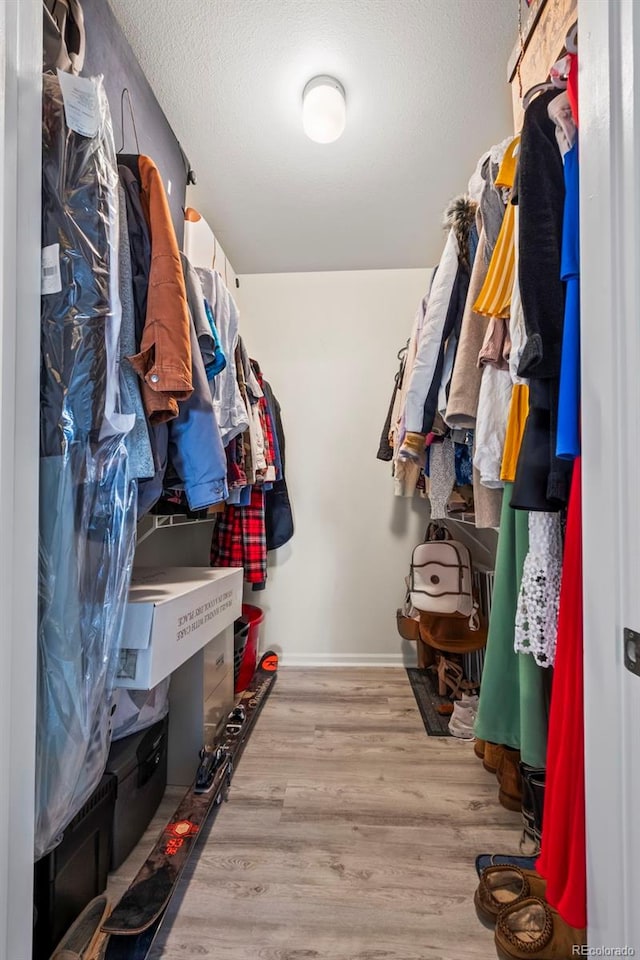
(327, 342)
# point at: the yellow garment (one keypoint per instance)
(494, 299)
(507, 172)
(518, 413)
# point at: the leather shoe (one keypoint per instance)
(501, 886)
(532, 930)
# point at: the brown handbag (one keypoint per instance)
(408, 627)
(451, 634)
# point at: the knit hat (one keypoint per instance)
(460, 216)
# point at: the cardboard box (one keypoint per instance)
(218, 683)
(172, 613)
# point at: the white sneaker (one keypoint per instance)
(468, 702)
(463, 718)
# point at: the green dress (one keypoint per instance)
(513, 707)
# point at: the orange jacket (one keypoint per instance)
(164, 361)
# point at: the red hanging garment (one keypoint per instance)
(563, 856)
(572, 85)
(240, 539)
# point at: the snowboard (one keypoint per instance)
(136, 919)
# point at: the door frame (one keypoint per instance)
(609, 33)
(20, 176)
(610, 263)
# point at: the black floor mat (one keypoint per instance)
(425, 689)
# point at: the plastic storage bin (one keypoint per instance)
(139, 764)
(75, 871)
(255, 616)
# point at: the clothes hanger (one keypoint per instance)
(560, 69)
(571, 43)
(133, 119)
(188, 169)
(557, 82)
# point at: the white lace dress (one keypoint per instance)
(537, 614)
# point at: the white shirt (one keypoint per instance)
(228, 404)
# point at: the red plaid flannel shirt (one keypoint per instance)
(240, 539)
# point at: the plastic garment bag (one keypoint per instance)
(136, 710)
(87, 498)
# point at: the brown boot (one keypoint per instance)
(479, 748)
(492, 756)
(532, 929)
(510, 780)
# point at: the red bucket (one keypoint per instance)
(255, 616)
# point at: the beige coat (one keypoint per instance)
(466, 378)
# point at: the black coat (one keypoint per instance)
(541, 201)
(278, 514)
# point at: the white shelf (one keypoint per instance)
(463, 517)
(150, 524)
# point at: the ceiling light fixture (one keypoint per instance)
(324, 110)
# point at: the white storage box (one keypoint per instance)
(218, 683)
(172, 613)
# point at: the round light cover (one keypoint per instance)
(324, 111)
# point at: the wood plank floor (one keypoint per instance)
(349, 835)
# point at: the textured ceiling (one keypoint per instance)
(426, 94)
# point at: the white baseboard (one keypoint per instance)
(345, 660)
